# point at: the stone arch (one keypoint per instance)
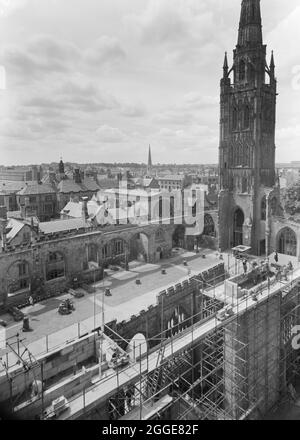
(139, 247)
(238, 223)
(55, 265)
(115, 251)
(18, 276)
(159, 253)
(178, 237)
(287, 242)
(138, 345)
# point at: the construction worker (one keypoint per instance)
(245, 266)
(276, 257)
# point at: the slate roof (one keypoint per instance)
(9, 187)
(36, 188)
(70, 186)
(13, 228)
(171, 177)
(63, 225)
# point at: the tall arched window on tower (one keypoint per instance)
(242, 70)
(251, 71)
(253, 11)
(246, 117)
(264, 208)
(234, 119)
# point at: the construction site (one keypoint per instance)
(224, 353)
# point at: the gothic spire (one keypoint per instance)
(149, 167)
(250, 30)
(272, 63)
(225, 65)
(149, 157)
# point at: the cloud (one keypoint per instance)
(195, 100)
(105, 51)
(46, 54)
(284, 39)
(133, 111)
(21, 130)
(7, 7)
(108, 134)
(193, 108)
(170, 21)
(76, 94)
(181, 29)
(41, 54)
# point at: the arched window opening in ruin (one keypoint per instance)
(273, 204)
(18, 277)
(177, 323)
(287, 242)
(209, 226)
(238, 223)
(55, 266)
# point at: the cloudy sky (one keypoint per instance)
(99, 80)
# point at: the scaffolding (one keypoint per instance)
(240, 370)
(31, 373)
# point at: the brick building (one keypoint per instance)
(38, 200)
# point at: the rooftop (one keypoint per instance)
(36, 188)
(63, 225)
(69, 186)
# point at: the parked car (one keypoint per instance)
(3, 323)
(76, 293)
(66, 307)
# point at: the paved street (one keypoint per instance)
(49, 329)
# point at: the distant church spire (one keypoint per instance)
(61, 167)
(149, 166)
(250, 30)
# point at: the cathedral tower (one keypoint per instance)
(247, 137)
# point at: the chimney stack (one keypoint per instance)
(85, 214)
